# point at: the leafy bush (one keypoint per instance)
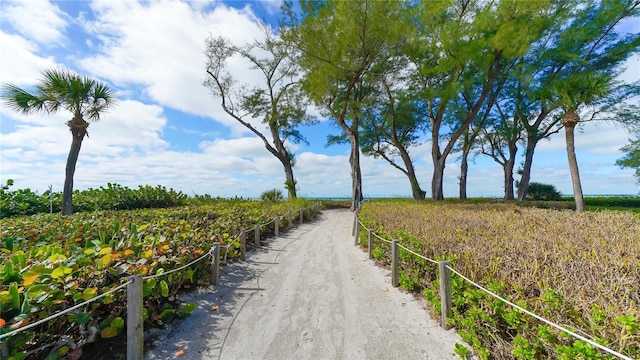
(272, 195)
(113, 197)
(538, 191)
(609, 201)
(49, 262)
(580, 271)
(21, 201)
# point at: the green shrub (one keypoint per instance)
(538, 191)
(21, 201)
(50, 262)
(272, 195)
(113, 197)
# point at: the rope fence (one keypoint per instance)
(60, 313)
(445, 270)
(134, 285)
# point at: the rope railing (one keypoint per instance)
(180, 268)
(418, 255)
(445, 288)
(135, 291)
(589, 341)
(60, 313)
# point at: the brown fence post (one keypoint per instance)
(395, 264)
(215, 264)
(301, 215)
(243, 245)
(256, 240)
(355, 222)
(356, 236)
(290, 219)
(276, 226)
(135, 338)
(370, 244)
(445, 292)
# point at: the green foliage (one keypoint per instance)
(20, 202)
(50, 262)
(607, 202)
(538, 191)
(274, 195)
(113, 197)
(461, 350)
(632, 158)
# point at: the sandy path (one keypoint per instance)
(309, 294)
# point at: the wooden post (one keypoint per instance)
(301, 215)
(445, 293)
(215, 264)
(355, 221)
(356, 236)
(395, 264)
(290, 219)
(256, 240)
(135, 338)
(243, 245)
(276, 227)
(370, 244)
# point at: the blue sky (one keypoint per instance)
(169, 130)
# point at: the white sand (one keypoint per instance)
(309, 294)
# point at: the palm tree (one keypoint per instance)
(571, 93)
(84, 97)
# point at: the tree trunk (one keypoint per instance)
(525, 178)
(356, 174)
(436, 179)
(78, 129)
(416, 191)
(464, 170)
(280, 152)
(508, 180)
(508, 171)
(570, 122)
(290, 182)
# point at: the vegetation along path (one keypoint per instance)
(309, 294)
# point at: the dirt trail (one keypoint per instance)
(309, 294)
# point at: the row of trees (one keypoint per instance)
(467, 76)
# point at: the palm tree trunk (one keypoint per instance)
(570, 122)
(78, 129)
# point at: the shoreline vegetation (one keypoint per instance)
(16, 202)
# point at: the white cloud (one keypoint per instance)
(160, 46)
(20, 63)
(596, 137)
(40, 21)
(272, 6)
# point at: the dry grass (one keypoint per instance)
(591, 260)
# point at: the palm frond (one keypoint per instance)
(20, 100)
